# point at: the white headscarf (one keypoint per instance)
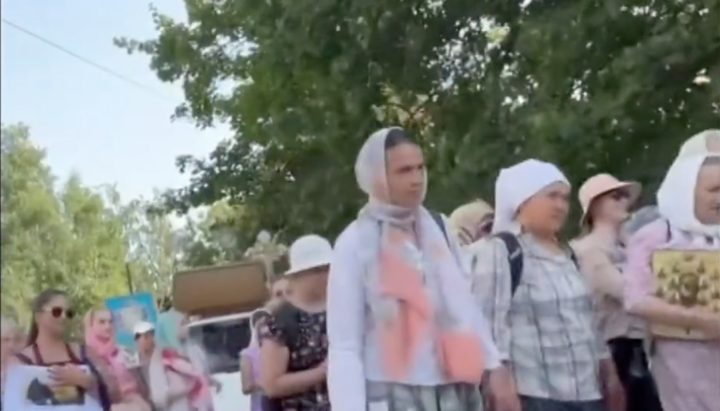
(370, 171)
(517, 184)
(700, 143)
(676, 196)
(373, 224)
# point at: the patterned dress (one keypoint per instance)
(308, 349)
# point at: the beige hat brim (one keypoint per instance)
(634, 189)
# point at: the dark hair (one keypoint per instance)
(38, 304)
(395, 137)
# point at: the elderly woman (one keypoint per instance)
(403, 328)
(537, 300)
(686, 357)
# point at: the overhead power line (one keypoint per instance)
(85, 60)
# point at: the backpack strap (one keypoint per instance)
(441, 223)
(573, 256)
(515, 258)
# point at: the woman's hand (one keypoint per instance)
(708, 322)
(501, 391)
(71, 375)
(612, 388)
(322, 370)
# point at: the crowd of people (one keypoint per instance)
(172, 373)
(488, 309)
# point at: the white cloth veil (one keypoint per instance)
(676, 196)
(518, 183)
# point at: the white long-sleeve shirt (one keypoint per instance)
(354, 354)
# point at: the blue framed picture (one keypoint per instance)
(128, 310)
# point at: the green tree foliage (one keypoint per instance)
(589, 85)
(67, 239)
(84, 241)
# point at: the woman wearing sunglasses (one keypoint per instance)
(601, 253)
(471, 222)
(47, 347)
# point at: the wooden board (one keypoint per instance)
(221, 290)
(690, 278)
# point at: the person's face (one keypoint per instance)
(547, 210)
(484, 226)
(183, 328)
(9, 343)
(146, 341)
(279, 289)
(405, 170)
(612, 207)
(53, 315)
(310, 281)
(103, 323)
(707, 194)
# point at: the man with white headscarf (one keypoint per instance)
(672, 264)
(403, 328)
(538, 302)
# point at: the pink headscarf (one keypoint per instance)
(109, 352)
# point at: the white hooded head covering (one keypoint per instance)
(704, 142)
(676, 196)
(517, 184)
(370, 171)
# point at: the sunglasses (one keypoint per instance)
(58, 312)
(138, 335)
(619, 194)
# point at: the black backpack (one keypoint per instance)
(515, 258)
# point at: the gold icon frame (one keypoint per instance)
(690, 278)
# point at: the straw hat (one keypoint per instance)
(308, 252)
(465, 218)
(600, 184)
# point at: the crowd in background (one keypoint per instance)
(487, 309)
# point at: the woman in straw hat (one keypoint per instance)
(685, 364)
(293, 340)
(605, 202)
(404, 331)
(471, 222)
(538, 302)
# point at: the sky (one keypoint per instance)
(89, 122)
